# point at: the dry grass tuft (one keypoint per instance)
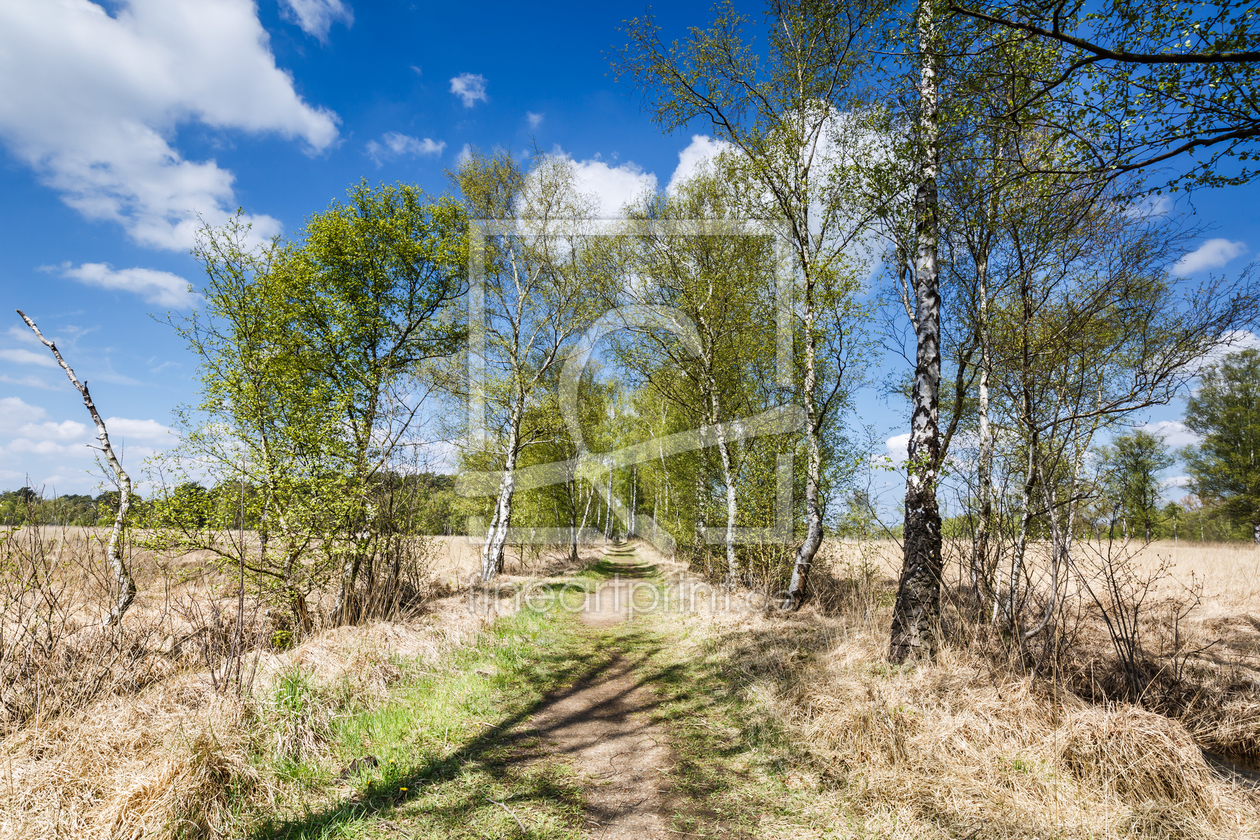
(130, 766)
(1139, 757)
(174, 760)
(195, 789)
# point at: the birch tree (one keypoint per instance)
(539, 294)
(379, 272)
(1092, 329)
(714, 282)
(310, 354)
(1138, 84)
(264, 420)
(790, 121)
(916, 613)
(995, 90)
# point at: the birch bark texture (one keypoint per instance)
(916, 614)
(125, 583)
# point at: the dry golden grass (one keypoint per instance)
(968, 746)
(953, 749)
(172, 757)
(973, 746)
(457, 560)
(1228, 572)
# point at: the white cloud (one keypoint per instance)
(533, 119)
(22, 333)
(316, 17)
(48, 447)
(1234, 342)
(28, 381)
(93, 101)
(1173, 433)
(612, 186)
(28, 357)
(121, 427)
(158, 287)
(54, 454)
(470, 88)
(465, 155)
(699, 151)
(1151, 207)
(898, 447)
(1211, 254)
(66, 430)
(396, 145)
(15, 413)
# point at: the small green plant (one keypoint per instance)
(282, 640)
(299, 718)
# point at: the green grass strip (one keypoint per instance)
(450, 761)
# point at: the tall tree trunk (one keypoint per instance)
(728, 476)
(701, 524)
(496, 537)
(608, 511)
(634, 497)
(805, 553)
(982, 580)
(590, 494)
(1013, 601)
(916, 615)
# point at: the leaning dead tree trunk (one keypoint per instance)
(122, 577)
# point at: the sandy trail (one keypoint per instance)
(603, 726)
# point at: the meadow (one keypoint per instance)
(148, 731)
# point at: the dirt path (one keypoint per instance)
(603, 726)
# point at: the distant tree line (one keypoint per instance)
(438, 512)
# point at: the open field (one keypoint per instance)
(976, 746)
(981, 743)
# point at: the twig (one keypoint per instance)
(511, 813)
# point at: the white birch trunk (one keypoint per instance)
(126, 585)
(634, 498)
(715, 418)
(496, 538)
(1021, 540)
(916, 615)
(981, 572)
(608, 507)
(805, 553)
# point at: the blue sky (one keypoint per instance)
(122, 123)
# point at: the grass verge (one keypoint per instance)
(440, 756)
